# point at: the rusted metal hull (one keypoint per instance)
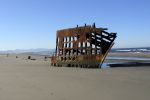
(85, 46)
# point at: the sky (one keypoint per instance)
(30, 24)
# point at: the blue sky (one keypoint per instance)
(26, 24)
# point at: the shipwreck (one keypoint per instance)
(85, 46)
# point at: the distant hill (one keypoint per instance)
(39, 51)
(42, 51)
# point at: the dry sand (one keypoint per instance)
(22, 79)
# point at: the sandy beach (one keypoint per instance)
(22, 79)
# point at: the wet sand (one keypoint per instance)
(22, 79)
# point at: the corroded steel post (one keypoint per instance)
(85, 46)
